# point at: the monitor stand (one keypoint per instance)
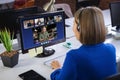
(46, 52)
(117, 29)
(117, 34)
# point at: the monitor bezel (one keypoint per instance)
(40, 14)
(111, 13)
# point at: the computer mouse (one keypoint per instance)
(49, 51)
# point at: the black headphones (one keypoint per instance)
(78, 23)
(78, 26)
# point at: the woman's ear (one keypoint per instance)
(76, 27)
(76, 30)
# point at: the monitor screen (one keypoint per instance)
(42, 30)
(8, 18)
(115, 14)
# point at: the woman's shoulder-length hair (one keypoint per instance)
(92, 27)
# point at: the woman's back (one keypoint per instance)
(95, 62)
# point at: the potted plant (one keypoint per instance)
(10, 56)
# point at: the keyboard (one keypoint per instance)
(109, 35)
(59, 58)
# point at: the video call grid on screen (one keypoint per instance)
(42, 29)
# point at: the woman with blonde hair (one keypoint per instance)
(94, 59)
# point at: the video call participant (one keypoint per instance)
(58, 18)
(39, 22)
(50, 20)
(53, 33)
(35, 36)
(43, 35)
(94, 59)
(30, 23)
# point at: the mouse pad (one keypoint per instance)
(31, 75)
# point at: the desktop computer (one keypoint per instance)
(115, 15)
(115, 18)
(42, 30)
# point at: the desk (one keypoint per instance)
(26, 62)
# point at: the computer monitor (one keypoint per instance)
(115, 15)
(8, 17)
(42, 30)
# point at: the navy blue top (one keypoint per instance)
(89, 62)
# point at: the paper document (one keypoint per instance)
(39, 50)
(35, 51)
(32, 52)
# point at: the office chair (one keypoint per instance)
(51, 6)
(86, 3)
(65, 7)
(114, 77)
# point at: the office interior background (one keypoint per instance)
(73, 4)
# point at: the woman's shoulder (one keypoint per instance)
(74, 52)
(109, 45)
